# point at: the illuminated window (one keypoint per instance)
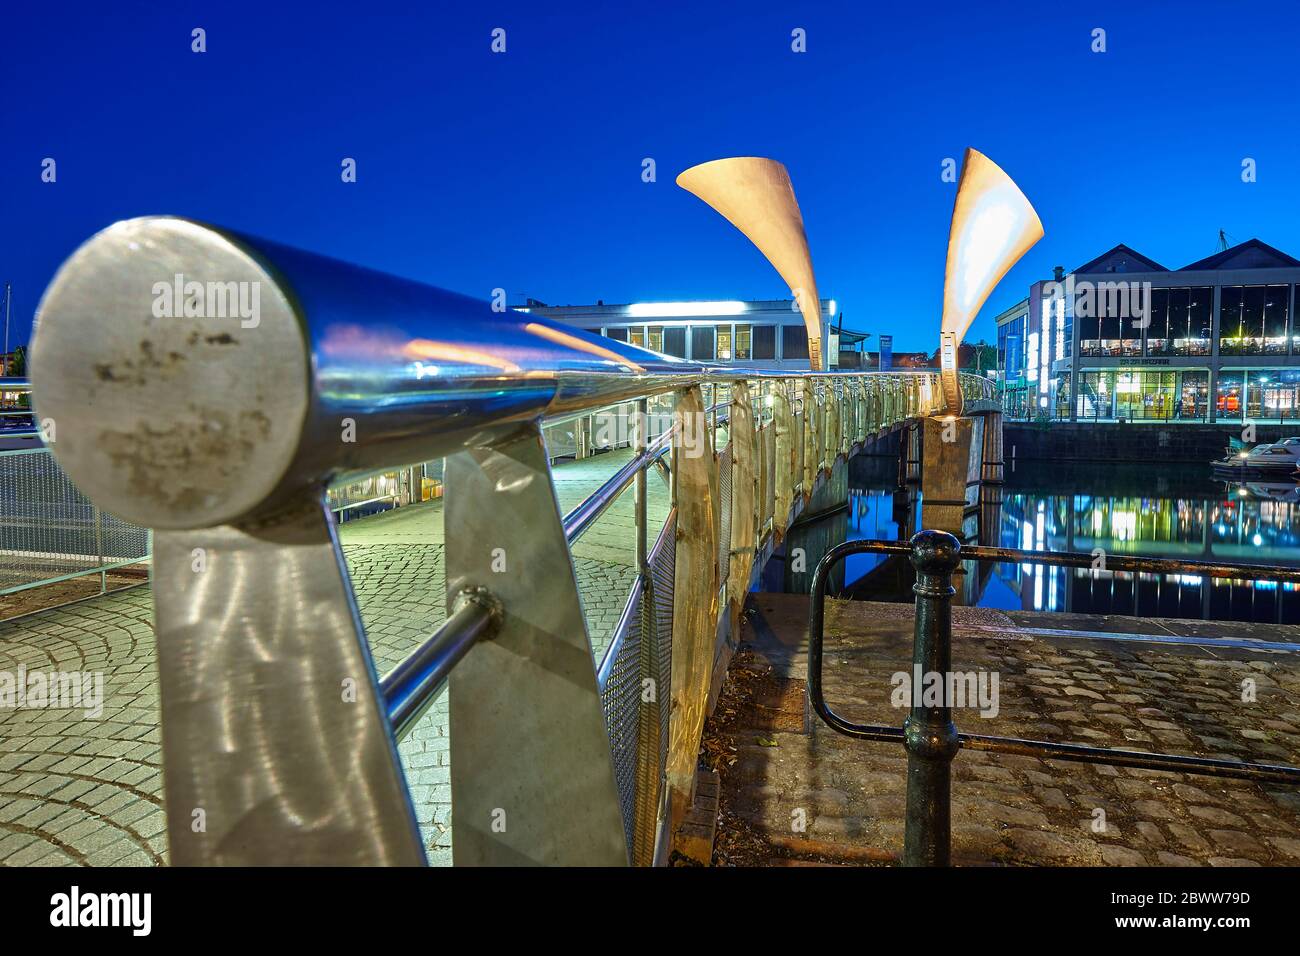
(1060, 327)
(743, 337)
(655, 338)
(724, 343)
(636, 335)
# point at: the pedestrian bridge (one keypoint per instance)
(583, 618)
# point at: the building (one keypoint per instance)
(1124, 338)
(768, 333)
(1013, 330)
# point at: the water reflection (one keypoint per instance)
(1168, 511)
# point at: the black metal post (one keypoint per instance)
(928, 733)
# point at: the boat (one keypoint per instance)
(1284, 491)
(1274, 458)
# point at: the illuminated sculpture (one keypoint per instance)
(993, 225)
(756, 197)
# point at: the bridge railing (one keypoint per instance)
(222, 428)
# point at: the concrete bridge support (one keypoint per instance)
(946, 447)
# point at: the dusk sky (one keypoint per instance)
(523, 170)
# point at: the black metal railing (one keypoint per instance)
(929, 734)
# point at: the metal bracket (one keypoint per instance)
(532, 780)
(276, 744)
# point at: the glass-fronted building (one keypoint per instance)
(1013, 367)
(766, 333)
(1124, 338)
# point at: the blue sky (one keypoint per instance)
(523, 170)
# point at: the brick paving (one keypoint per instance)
(795, 790)
(76, 790)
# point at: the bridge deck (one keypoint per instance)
(87, 790)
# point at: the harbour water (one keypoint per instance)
(1155, 510)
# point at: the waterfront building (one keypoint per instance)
(1123, 338)
(764, 333)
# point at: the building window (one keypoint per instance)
(1200, 323)
(1179, 322)
(794, 342)
(1276, 299)
(1159, 341)
(675, 341)
(1194, 396)
(1252, 320)
(1273, 394)
(764, 342)
(636, 335)
(618, 335)
(724, 342)
(1089, 329)
(1145, 395)
(1096, 396)
(744, 336)
(1228, 404)
(655, 338)
(702, 343)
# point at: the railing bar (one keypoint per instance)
(358, 504)
(410, 687)
(1206, 766)
(630, 607)
(620, 629)
(124, 563)
(1265, 572)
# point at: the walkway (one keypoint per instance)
(87, 790)
(793, 791)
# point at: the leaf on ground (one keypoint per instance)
(766, 742)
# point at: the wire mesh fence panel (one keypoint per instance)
(724, 511)
(769, 478)
(49, 530)
(621, 701)
(658, 667)
(796, 430)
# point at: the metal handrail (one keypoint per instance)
(351, 373)
(640, 585)
(410, 687)
(581, 518)
(1075, 559)
(928, 733)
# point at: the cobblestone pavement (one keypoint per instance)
(81, 790)
(793, 789)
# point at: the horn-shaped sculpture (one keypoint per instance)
(993, 225)
(756, 197)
